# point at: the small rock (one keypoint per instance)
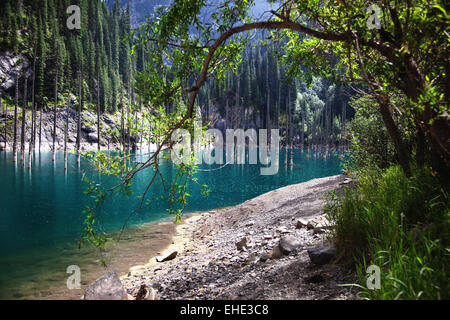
(288, 244)
(108, 287)
(276, 253)
(346, 181)
(172, 255)
(301, 223)
(321, 255)
(318, 230)
(146, 293)
(283, 230)
(241, 245)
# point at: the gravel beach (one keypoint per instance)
(255, 250)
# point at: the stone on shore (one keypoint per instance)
(276, 253)
(108, 287)
(301, 223)
(240, 245)
(170, 256)
(321, 255)
(288, 244)
(146, 293)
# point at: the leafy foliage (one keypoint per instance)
(400, 224)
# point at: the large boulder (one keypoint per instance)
(108, 287)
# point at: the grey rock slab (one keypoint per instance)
(108, 287)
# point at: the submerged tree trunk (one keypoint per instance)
(303, 126)
(55, 110)
(66, 128)
(15, 120)
(33, 115)
(128, 131)
(286, 133)
(40, 124)
(24, 120)
(291, 137)
(80, 106)
(5, 112)
(98, 112)
(268, 125)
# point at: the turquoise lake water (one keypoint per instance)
(41, 209)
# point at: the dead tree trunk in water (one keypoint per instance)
(98, 111)
(291, 137)
(80, 102)
(268, 125)
(24, 120)
(33, 114)
(66, 128)
(40, 124)
(286, 135)
(128, 118)
(303, 112)
(55, 110)
(15, 120)
(5, 112)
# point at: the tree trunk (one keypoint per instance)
(98, 112)
(303, 126)
(40, 125)
(66, 128)
(33, 115)
(286, 133)
(268, 126)
(128, 131)
(15, 120)
(400, 147)
(5, 112)
(80, 106)
(291, 137)
(279, 105)
(55, 110)
(420, 148)
(24, 120)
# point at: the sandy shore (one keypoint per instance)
(209, 265)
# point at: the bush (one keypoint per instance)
(400, 224)
(370, 144)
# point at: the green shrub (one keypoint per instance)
(400, 224)
(370, 144)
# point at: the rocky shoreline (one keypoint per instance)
(274, 246)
